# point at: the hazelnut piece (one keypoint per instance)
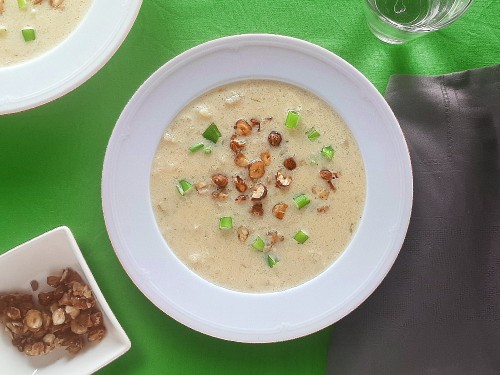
(290, 164)
(279, 210)
(242, 233)
(240, 160)
(220, 180)
(282, 181)
(237, 145)
(266, 157)
(256, 169)
(257, 209)
(259, 191)
(274, 138)
(33, 319)
(240, 184)
(242, 127)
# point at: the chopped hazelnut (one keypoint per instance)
(323, 209)
(240, 184)
(242, 127)
(33, 319)
(240, 160)
(219, 195)
(55, 3)
(259, 191)
(290, 164)
(326, 174)
(35, 349)
(255, 123)
(266, 157)
(275, 236)
(201, 187)
(220, 180)
(256, 169)
(96, 333)
(282, 181)
(77, 327)
(241, 198)
(242, 233)
(72, 311)
(279, 210)
(58, 317)
(237, 145)
(274, 138)
(257, 209)
(34, 285)
(13, 313)
(321, 193)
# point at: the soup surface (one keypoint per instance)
(51, 20)
(252, 181)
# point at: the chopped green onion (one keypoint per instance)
(184, 186)
(292, 119)
(196, 147)
(301, 200)
(328, 152)
(300, 237)
(271, 262)
(312, 134)
(226, 222)
(207, 150)
(28, 34)
(21, 4)
(212, 133)
(258, 244)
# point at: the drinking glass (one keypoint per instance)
(399, 21)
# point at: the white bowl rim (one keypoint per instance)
(70, 63)
(185, 307)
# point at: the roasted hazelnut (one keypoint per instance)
(242, 127)
(13, 313)
(255, 123)
(237, 145)
(240, 184)
(201, 187)
(33, 319)
(96, 333)
(275, 236)
(279, 210)
(257, 209)
(326, 174)
(321, 193)
(323, 209)
(256, 169)
(242, 233)
(34, 285)
(58, 317)
(266, 157)
(241, 198)
(282, 181)
(240, 160)
(35, 349)
(290, 164)
(274, 138)
(219, 195)
(220, 180)
(259, 191)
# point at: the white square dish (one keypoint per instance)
(36, 259)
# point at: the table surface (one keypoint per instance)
(52, 156)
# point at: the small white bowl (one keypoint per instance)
(45, 255)
(72, 62)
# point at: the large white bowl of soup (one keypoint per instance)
(257, 188)
(50, 47)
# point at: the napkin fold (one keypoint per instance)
(438, 309)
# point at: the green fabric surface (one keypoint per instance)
(51, 156)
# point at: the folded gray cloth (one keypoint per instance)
(438, 309)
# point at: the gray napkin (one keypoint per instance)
(438, 309)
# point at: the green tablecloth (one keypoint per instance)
(51, 157)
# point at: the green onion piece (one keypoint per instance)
(300, 237)
(21, 4)
(207, 150)
(196, 147)
(28, 34)
(328, 152)
(271, 262)
(312, 134)
(184, 186)
(226, 222)
(212, 133)
(258, 244)
(292, 119)
(301, 200)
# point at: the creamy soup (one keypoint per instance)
(51, 21)
(267, 207)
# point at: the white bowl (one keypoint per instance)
(72, 62)
(46, 255)
(217, 311)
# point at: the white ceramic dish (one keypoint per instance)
(223, 313)
(72, 62)
(35, 260)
